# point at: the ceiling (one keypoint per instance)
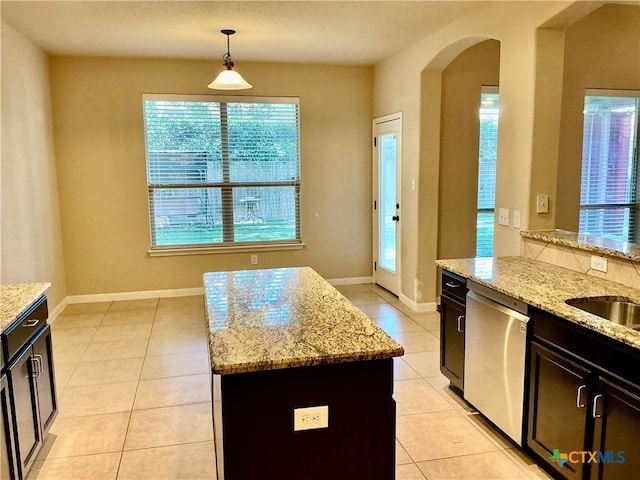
(326, 32)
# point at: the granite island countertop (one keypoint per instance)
(15, 299)
(271, 319)
(547, 286)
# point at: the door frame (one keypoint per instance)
(377, 130)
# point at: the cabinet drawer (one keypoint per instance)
(592, 347)
(454, 286)
(19, 333)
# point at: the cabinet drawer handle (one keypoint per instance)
(39, 361)
(36, 365)
(460, 320)
(595, 413)
(452, 285)
(579, 403)
(31, 323)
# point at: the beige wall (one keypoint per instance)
(514, 25)
(601, 51)
(31, 242)
(462, 82)
(100, 151)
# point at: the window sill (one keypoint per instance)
(208, 250)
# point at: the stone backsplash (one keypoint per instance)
(545, 247)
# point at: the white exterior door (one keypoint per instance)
(387, 155)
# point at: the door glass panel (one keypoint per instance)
(387, 253)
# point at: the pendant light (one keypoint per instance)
(229, 79)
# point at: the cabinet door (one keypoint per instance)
(616, 432)
(7, 447)
(43, 362)
(558, 408)
(22, 388)
(452, 342)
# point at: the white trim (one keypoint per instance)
(177, 292)
(53, 314)
(350, 280)
(418, 307)
(111, 297)
(218, 98)
(380, 126)
(167, 252)
(605, 92)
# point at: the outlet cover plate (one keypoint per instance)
(599, 263)
(310, 418)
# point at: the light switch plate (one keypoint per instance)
(503, 216)
(516, 219)
(542, 203)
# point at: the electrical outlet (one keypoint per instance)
(598, 263)
(254, 259)
(310, 418)
(503, 216)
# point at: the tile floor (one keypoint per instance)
(135, 403)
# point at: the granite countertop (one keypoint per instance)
(270, 319)
(15, 299)
(589, 243)
(547, 287)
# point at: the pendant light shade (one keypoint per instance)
(229, 79)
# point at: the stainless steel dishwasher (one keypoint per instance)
(494, 365)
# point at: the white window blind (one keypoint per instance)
(222, 171)
(487, 163)
(609, 193)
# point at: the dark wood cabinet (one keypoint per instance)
(358, 444)
(45, 378)
(8, 468)
(30, 400)
(616, 415)
(24, 405)
(452, 318)
(584, 402)
(559, 393)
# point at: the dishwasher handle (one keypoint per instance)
(474, 296)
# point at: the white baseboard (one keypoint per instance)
(418, 307)
(53, 314)
(179, 292)
(113, 297)
(349, 280)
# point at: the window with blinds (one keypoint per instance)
(487, 162)
(222, 171)
(609, 197)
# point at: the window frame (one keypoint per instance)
(489, 90)
(226, 186)
(634, 205)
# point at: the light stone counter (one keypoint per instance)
(588, 243)
(16, 299)
(286, 317)
(547, 287)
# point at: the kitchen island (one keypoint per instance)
(302, 380)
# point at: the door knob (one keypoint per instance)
(395, 218)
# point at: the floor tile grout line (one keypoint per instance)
(135, 395)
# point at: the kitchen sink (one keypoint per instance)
(621, 311)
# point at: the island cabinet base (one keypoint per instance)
(258, 440)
